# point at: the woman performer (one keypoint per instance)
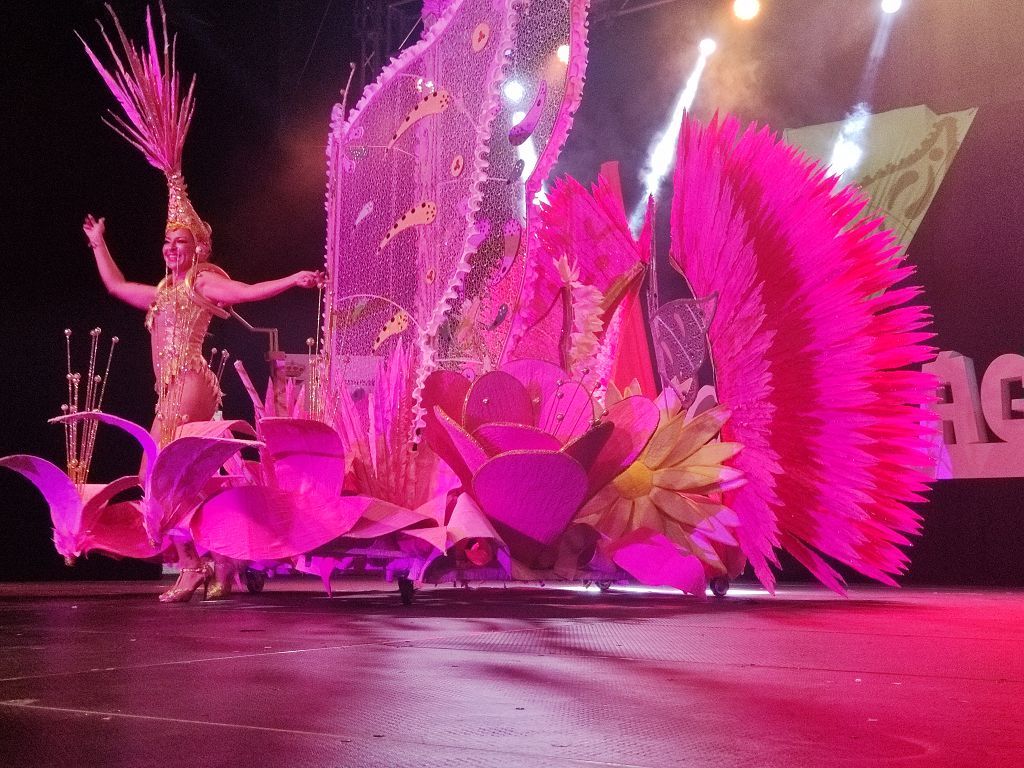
(179, 309)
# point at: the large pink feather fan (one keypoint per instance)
(812, 344)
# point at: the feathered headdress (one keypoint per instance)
(156, 117)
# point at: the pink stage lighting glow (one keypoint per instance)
(745, 10)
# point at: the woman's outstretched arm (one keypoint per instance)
(224, 290)
(136, 294)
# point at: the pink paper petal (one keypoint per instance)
(468, 521)
(634, 420)
(530, 496)
(497, 397)
(653, 560)
(455, 447)
(382, 519)
(117, 530)
(216, 428)
(254, 523)
(96, 497)
(561, 406)
(497, 438)
(447, 390)
(306, 456)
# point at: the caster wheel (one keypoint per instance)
(405, 590)
(604, 586)
(719, 586)
(255, 581)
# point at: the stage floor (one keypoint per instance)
(100, 674)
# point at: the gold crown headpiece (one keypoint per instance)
(156, 117)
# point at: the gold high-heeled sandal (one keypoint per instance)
(180, 594)
(219, 585)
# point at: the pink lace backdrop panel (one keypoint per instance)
(405, 174)
(540, 93)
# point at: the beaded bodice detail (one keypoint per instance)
(178, 321)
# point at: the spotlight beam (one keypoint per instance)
(662, 153)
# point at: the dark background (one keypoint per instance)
(269, 72)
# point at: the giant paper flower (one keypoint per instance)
(663, 516)
(528, 447)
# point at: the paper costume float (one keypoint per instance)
(501, 431)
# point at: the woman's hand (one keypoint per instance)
(308, 279)
(94, 230)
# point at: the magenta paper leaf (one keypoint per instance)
(531, 493)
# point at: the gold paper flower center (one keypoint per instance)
(635, 482)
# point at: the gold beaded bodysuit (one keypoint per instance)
(178, 321)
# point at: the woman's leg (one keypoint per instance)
(196, 403)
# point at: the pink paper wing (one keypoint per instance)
(530, 496)
(60, 494)
(141, 434)
(177, 478)
(254, 523)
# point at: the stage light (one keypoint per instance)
(663, 150)
(514, 91)
(745, 10)
(891, 6)
(563, 53)
(848, 150)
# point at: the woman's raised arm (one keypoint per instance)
(136, 294)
